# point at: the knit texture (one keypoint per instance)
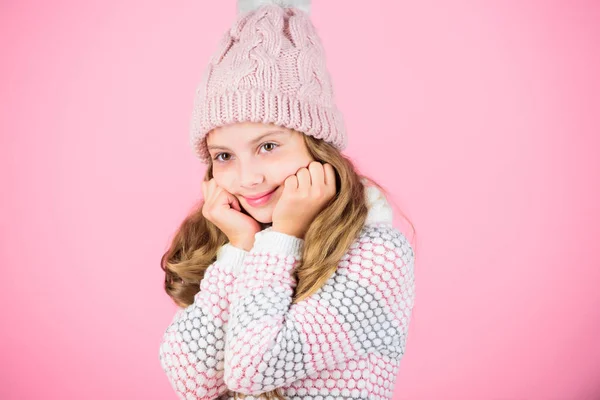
(346, 341)
(269, 68)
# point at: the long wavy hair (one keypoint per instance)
(194, 246)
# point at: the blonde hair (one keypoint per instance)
(194, 246)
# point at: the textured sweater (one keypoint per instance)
(243, 334)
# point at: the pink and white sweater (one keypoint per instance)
(243, 334)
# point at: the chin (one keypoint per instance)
(263, 216)
(266, 218)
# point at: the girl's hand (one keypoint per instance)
(223, 209)
(305, 195)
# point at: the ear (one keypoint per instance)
(249, 5)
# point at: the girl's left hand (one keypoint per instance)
(305, 195)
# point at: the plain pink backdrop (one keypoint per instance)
(481, 118)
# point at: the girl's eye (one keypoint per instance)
(270, 143)
(217, 157)
(264, 144)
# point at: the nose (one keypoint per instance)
(250, 175)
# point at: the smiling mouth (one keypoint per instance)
(260, 197)
(261, 201)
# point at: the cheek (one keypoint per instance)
(225, 179)
(285, 168)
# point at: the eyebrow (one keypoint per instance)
(253, 141)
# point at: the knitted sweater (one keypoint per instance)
(243, 334)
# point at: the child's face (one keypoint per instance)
(248, 165)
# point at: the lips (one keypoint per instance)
(261, 201)
(259, 196)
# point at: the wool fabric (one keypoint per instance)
(345, 341)
(269, 68)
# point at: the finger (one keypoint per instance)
(235, 203)
(212, 190)
(329, 176)
(291, 183)
(317, 174)
(222, 196)
(304, 180)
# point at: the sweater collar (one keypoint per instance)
(380, 210)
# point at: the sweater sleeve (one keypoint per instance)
(192, 348)
(364, 307)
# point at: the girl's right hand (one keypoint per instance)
(223, 209)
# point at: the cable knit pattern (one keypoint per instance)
(344, 342)
(269, 68)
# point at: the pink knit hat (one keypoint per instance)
(269, 68)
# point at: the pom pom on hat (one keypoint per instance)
(249, 5)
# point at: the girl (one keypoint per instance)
(292, 281)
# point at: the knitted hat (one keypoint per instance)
(268, 68)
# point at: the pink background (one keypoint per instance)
(481, 118)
